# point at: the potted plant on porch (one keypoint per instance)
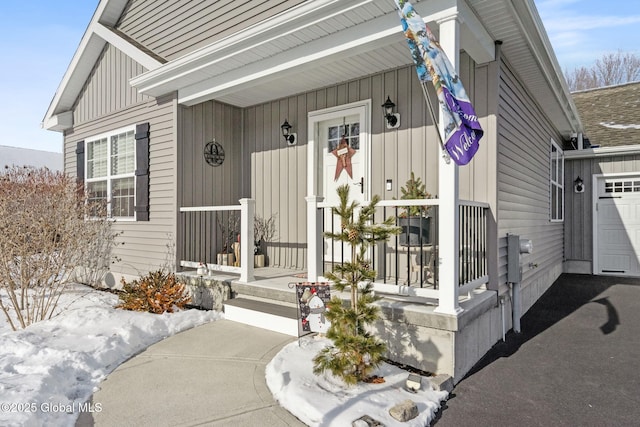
(264, 231)
(415, 221)
(229, 230)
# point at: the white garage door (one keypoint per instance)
(618, 226)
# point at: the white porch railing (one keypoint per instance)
(410, 267)
(404, 267)
(210, 234)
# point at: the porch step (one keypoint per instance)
(262, 314)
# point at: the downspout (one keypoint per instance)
(516, 306)
(504, 333)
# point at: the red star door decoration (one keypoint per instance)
(344, 153)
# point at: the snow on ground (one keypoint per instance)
(326, 401)
(50, 369)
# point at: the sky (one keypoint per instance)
(39, 37)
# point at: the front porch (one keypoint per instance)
(408, 284)
(416, 333)
(219, 240)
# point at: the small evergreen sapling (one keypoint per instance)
(354, 353)
(414, 189)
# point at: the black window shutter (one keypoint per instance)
(142, 172)
(80, 164)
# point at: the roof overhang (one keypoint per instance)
(592, 153)
(313, 45)
(530, 54)
(319, 43)
(98, 33)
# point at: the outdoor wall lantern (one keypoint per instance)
(578, 185)
(393, 119)
(286, 132)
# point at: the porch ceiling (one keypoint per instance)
(323, 42)
(313, 45)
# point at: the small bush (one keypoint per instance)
(44, 240)
(157, 292)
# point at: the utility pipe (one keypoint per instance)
(515, 309)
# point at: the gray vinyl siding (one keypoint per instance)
(144, 245)
(173, 28)
(107, 89)
(279, 173)
(523, 186)
(579, 206)
(201, 184)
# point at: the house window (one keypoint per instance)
(556, 183)
(349, 131)
(110, 172)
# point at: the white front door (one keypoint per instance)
(342, 157)
(617, 223)
(341, 141)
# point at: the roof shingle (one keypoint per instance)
(610, 115)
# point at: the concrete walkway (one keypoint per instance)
(212, 375)
(576, 362)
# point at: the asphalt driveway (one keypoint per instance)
(576, 362)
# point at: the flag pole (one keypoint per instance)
(445, 154)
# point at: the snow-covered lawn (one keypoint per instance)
(50, 369)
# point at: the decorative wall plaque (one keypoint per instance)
(213, 153)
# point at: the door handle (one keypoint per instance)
(361, 184)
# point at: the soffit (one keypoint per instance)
(335, 41)
(107, 13)
(528, 50)
(307, 49)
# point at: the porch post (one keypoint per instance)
(314, 238)
(449, 219)
(247, 216)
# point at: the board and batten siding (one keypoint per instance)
(524, 135)
(199, 183)
(107, 88)
(173, 28)
(145, 243)
(578, 249)
(279, 172)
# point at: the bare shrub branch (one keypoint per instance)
(611, 69)
(44, 238)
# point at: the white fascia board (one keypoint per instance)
(181, 74)
(59, 122)
(127, 48)
(477, 41)
(304, 15)
(88, 50)
(543, 52)
(589, 153)
(85, 55)
(325, 48)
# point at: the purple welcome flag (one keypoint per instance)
(462, 131)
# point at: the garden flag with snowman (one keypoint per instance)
(312, 303)
(462, 131)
